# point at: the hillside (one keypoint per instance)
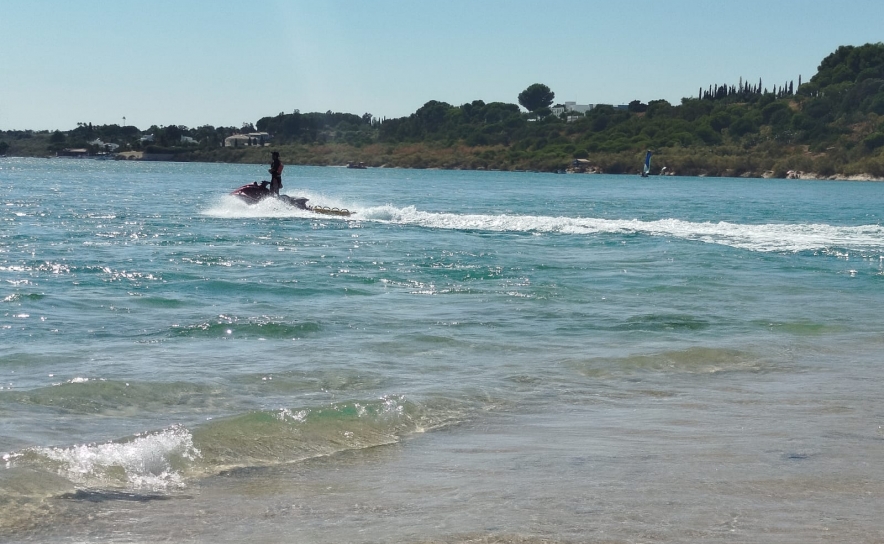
(829, 126)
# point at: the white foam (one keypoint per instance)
(228, 206)
(756, 237)
(768, 237)
(144, 460)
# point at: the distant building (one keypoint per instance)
(104, 146)
(187, 140)
(237, 140)
(559, 109)
(147, 138)
(579, 108)
(243, 140)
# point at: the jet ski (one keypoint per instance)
(254, 192)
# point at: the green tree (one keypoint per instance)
(536, 96)
(742, 126)
(767, 112)
(874, 141)
(637, 106)
(171, 135)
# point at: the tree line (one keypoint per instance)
(830, 123)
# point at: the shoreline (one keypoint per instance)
(767, 174)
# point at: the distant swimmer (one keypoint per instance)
(275, 173)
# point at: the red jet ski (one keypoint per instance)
(254, 192)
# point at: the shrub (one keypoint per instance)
(874, 141)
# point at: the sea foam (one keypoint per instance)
(767, 237)
(146, 462)
(770, 237)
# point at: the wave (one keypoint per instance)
(165, 460)
(83, 395)
(147, 461)
(766, 237)
(226, 327)
(266, 438)
(694, 360)
(20, 297)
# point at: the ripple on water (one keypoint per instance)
(695, 360)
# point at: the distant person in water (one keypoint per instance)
(275, 173)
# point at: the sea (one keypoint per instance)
(471, 356)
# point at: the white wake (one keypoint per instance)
(768, 237)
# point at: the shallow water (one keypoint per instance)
(502, 357)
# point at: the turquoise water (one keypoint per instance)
(473, 355)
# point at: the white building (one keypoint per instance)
(559, 109)
(579, 108)
(104, 146)
(252, 138)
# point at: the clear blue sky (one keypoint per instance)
(222, 62)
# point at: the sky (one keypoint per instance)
(226, 63)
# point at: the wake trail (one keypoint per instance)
(767, 237)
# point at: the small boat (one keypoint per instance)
(646, 169)
(358, 165)
(252, 193)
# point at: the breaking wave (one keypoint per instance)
(165, 460)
